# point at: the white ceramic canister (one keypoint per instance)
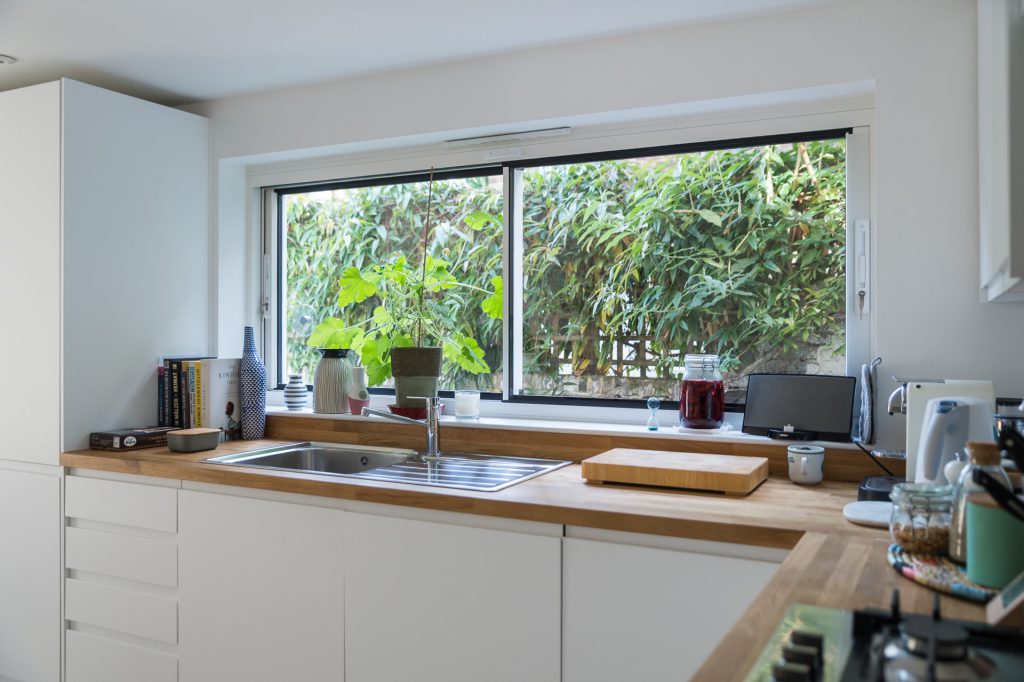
(805, 463)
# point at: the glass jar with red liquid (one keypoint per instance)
(702, 394)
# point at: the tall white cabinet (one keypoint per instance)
(103, 267)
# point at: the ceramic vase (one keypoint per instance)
(252, 379)
(332, 381)
(295, 393)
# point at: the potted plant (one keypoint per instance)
(415, 325)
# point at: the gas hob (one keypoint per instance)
(818, 644)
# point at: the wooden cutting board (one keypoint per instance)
(723, 473)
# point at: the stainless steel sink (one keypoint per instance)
(471, 472)
(313, 458)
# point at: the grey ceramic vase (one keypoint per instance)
(416, 370)
(332, 381)
(252, 380)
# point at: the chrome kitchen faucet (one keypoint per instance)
(433, 450)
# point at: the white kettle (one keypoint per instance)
(949, 422)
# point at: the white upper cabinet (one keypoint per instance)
(1001, 148)
(105, 261)
(30, 275)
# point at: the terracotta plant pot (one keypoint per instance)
(416, 370)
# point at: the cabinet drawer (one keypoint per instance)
(122, 556)
(127, 504)
(133, 613)
(96, 659)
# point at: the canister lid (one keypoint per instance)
(806, 449)
(983, 454)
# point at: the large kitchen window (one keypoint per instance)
(609, 266)
(352, 231)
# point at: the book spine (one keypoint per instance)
(176, 393)
(168, 417)
(184, 395)
(199, 394)
(161, 414)
(192, 421)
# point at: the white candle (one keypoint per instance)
(467, 404)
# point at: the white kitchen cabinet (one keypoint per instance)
(261, 590)
(1001, 148)
(651, 613)
(104, 262)
(29, 575)
(429, 601)
(30, 179)
(121, 584)
(103, 268)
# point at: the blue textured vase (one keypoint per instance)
(252, 380)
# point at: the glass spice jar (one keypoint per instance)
(921, 517)
(701, 394)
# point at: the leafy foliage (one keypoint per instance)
(739, 252)
(350, 252)
(415, 306)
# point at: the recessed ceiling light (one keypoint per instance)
(8, 59)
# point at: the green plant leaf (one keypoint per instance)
(710, 216)
(331, 333)
(494, 305)
(355, 286)
(478, 220)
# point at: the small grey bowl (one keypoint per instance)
(193, 440)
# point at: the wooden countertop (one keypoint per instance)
(777, 514)
(838, 570)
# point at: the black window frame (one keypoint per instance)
(489, 170)
(508, 168)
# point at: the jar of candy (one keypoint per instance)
(702, 394)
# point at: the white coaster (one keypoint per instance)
(875, 514)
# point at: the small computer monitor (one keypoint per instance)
(818, 406)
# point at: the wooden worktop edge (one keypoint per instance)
(558, 497)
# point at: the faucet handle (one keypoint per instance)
(433, 405)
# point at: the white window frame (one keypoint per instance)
(859, 196)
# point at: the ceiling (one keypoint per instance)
(191, 50)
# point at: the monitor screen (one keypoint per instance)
(807, 402)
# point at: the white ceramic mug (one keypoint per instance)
(805, 462)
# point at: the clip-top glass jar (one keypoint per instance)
(702, 394)
(920, 517)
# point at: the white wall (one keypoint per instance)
(920, 55)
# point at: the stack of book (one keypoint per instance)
(195, 392)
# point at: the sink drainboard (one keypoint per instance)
(471, 472)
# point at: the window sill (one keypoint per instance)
(634, 428)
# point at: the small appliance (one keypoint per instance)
(912, 396)
(949, 422)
